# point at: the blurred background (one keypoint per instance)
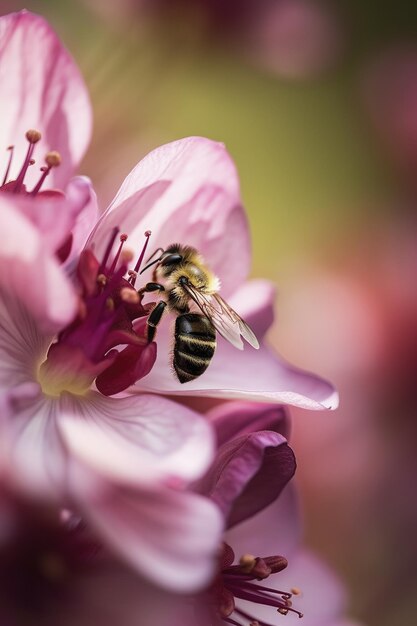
(317, 103)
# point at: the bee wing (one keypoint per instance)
(224, 319)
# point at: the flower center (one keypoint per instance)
(236, 582)
(110, 315)
(52, 159)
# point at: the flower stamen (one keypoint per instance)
(10, 149)
(52, 159)
(238, 582)
(33, 136)
(123, 238)
(134, 273)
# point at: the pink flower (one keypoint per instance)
(122, 462)
(188, 191)
(114, 460)
(46, 114)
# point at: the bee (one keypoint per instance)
(190, 289)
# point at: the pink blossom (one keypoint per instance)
(114, 459)
(122, 461)
(46, 114)
(188, 191)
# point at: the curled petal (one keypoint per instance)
(139, 439)
(172, 537)
(130, 364)
(42, 89)
(30, 274)
(248, 473)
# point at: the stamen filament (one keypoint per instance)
(33, 136)
(134, 272)
(123, 238)
(6, 176)
(286, 595)
(107, 252)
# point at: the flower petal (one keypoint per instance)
(275, 530)
(192, 183)
(248, 474)
(138, 439)
(29, 274)
(59, 217)
(172, 537)
(256, 375)
(43, 89)
(233, 419)
(34, 458)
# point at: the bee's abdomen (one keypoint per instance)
(195, 343)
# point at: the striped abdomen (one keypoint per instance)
(195, 343)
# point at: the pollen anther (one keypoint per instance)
(33, 135)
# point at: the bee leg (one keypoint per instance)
(154, 318)
(151, 287)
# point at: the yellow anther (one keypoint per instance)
(295, 591)
(53, 158)
(110, 304)
(33, 135)
(283, 611)
(247, 562)
(101, 279)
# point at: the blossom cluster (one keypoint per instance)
(124, 494)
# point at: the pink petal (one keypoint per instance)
(43, 89)
(139, 439)
(59, 217)
(30, 274)
(233, 419)
(275, 530)
(85, 217)
(34, 459)
(248, 474)
(171, 537)
(191, 184)
(256, 375)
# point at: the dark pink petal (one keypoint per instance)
(30, 274)
(233, 419)
(131, 364)
(248, 474)
(41, 88)
(142, 440)
(172, 537)
(193, 184)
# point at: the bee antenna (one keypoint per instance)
(153, 254)
(150, 264)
